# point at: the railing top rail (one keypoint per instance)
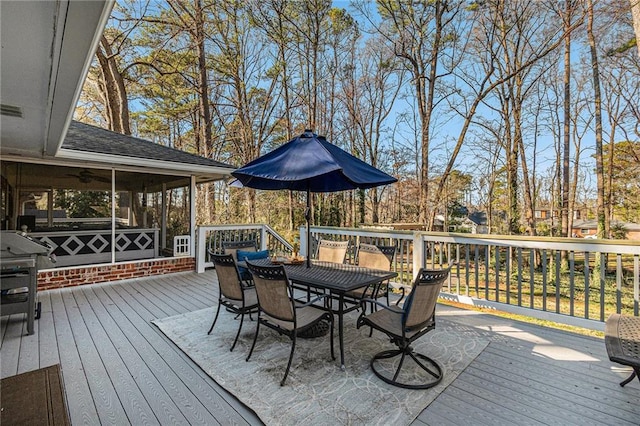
(388, 233)
(232, 226)
(535, 242)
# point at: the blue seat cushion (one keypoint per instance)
(249, 255)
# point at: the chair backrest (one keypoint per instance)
(376, 257)
(420, 306)
(274, 294)
(231, 247)
(332, 251)
(228, 276)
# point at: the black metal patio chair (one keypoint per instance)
(403, 327)
(233, 295)
(232, 248)
(279, 311)
(374, 257)
(332, 251)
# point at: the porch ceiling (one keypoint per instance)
(47, 47)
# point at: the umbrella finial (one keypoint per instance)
(308, 133)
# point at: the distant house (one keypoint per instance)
(589, 229)
(479, 223)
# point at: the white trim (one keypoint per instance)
(62, 108)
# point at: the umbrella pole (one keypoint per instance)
(307, 215)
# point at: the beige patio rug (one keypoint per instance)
(317, 391)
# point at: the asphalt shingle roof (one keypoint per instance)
(92, 139)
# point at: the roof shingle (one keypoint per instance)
(92, 139)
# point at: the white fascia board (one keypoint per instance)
(77, 21)
(141, 163)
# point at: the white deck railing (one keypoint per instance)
(550, 278)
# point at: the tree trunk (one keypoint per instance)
(597, 99)
(635, 12)
(115, 93)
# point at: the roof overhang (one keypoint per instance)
(71, 158)
(47, 48)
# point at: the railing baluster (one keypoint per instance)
(477, 268)
(586, 285)
(636, 284)
(466, 267)
(497, 267)
(603, 271)
(507, 269)
(544, 279)
(487, 255)
(519, 251)
(532, 282)
(618, 283)
(557, 278)
(572, 273)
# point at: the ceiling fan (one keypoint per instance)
(86, 176)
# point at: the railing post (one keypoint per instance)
(418, 254)
(202, 249)
(263, 237)
(303, 241)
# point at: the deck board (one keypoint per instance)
(161, 358)
(105, 397)
(11, 347)
(119, 368)
(82, 408)
(182, 380)
(47, 332)
(29, 358)
(133, 402)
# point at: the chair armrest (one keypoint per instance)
(402, 289)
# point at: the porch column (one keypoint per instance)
(192, 216)
(113, 215)
(163, 228)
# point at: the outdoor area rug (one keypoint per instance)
(317, 391)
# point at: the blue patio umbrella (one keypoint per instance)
(310, 163)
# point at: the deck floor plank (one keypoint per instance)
(11, 348)
(565, 404)
(3, 328)
(82, 408)
(182, 380)
(29, 358)
(133, 401)
(47, 332)
(105, 397)
(160, 359)
(599, 400)
(586, 383)
(164, 407)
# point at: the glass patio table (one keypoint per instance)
(336, 278)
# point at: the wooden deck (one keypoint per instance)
(119, 369)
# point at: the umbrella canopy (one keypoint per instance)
(310, 163)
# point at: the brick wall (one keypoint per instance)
(79, 275)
